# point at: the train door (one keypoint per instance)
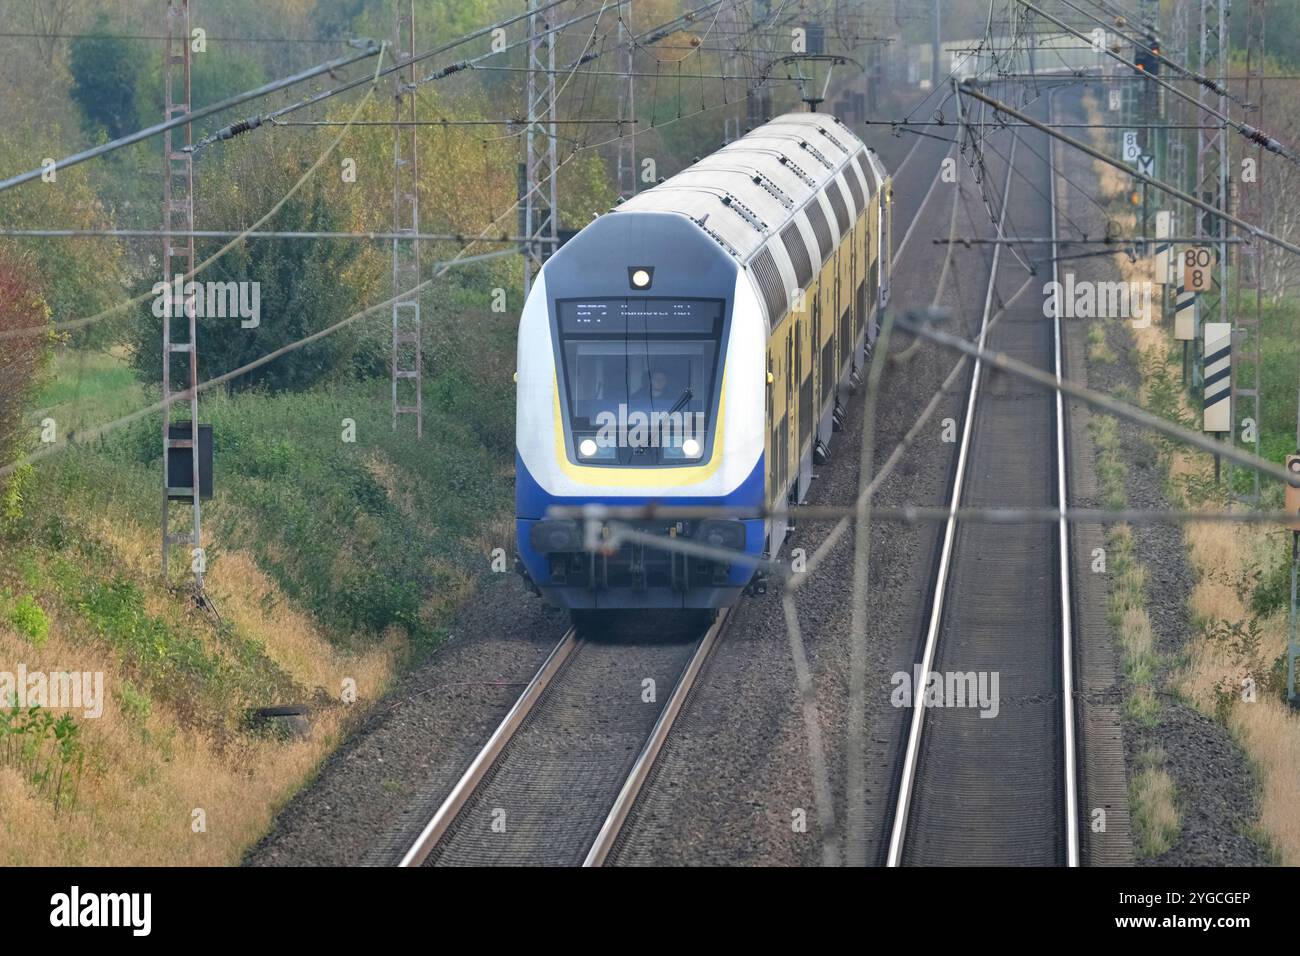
(886, 238)
(773, 433)
(873, 277)
(848, 342)
(790, 458)
(830, 364)
(863, 308)
(803, 368)
(816, 342)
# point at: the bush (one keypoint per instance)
(22, 357)
(134, 702)
(1273, 591)
(105, 70)
(302, 286)
(45, 749)
(30, 621)
(11, 498)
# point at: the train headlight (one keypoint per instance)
(594, 450)
(549, 536)
(722, 533)
(641, 276)
(689, 449)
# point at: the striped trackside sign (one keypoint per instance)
(1217, 366)
(1185, 315)
(1293, 494)
(1164, 250)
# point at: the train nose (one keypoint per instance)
(722, 533)
(551, 535)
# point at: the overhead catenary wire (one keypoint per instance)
(1208, 82)
(1150, 180)
(1257, 136)
(136, 300)
(85, 436)
(29, 35)
(254, 123)
(1104, 403)
(399, 65)
(246, 234)
(654, 31)
(159, 128)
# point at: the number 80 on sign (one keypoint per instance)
(1198, 275)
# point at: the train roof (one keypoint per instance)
(779, 199)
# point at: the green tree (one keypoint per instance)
(78, 277)
(22, 357)
(303, 286)
(105, 71)
(215, 75)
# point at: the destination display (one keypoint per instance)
(640, 316)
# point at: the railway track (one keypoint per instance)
(555, 782)
(993, 780)
(593, 846)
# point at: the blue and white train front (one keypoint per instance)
(641, 381)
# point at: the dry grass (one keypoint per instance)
(1155, 811)
(251, 601)
(1270, 732)
(1099, 352)
(1127, 613)
(1136, 638)
(145, 775)
(498, 533)
(1267, 729)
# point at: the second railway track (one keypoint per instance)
(982, 785)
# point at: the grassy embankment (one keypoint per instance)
(1232, 665)
(330, 563)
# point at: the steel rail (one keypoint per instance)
(912, 753)
(533, 694)
(478, 768)
(1063, 538)
(645, 761)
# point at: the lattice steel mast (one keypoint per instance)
(627, 172)
(178, 262)
(407, 353)
(540, 208)
(1212, 161)
(1249, 304)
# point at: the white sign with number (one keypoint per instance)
(1131, 148)
(1198, 275)
(1292, 493)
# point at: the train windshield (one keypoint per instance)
(639, 377)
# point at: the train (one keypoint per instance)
(692, 348)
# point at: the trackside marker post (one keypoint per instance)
(1293, 641)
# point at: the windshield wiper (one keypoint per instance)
(686, 397)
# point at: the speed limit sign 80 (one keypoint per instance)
(1198, 275)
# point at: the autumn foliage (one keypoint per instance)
(22, 356)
